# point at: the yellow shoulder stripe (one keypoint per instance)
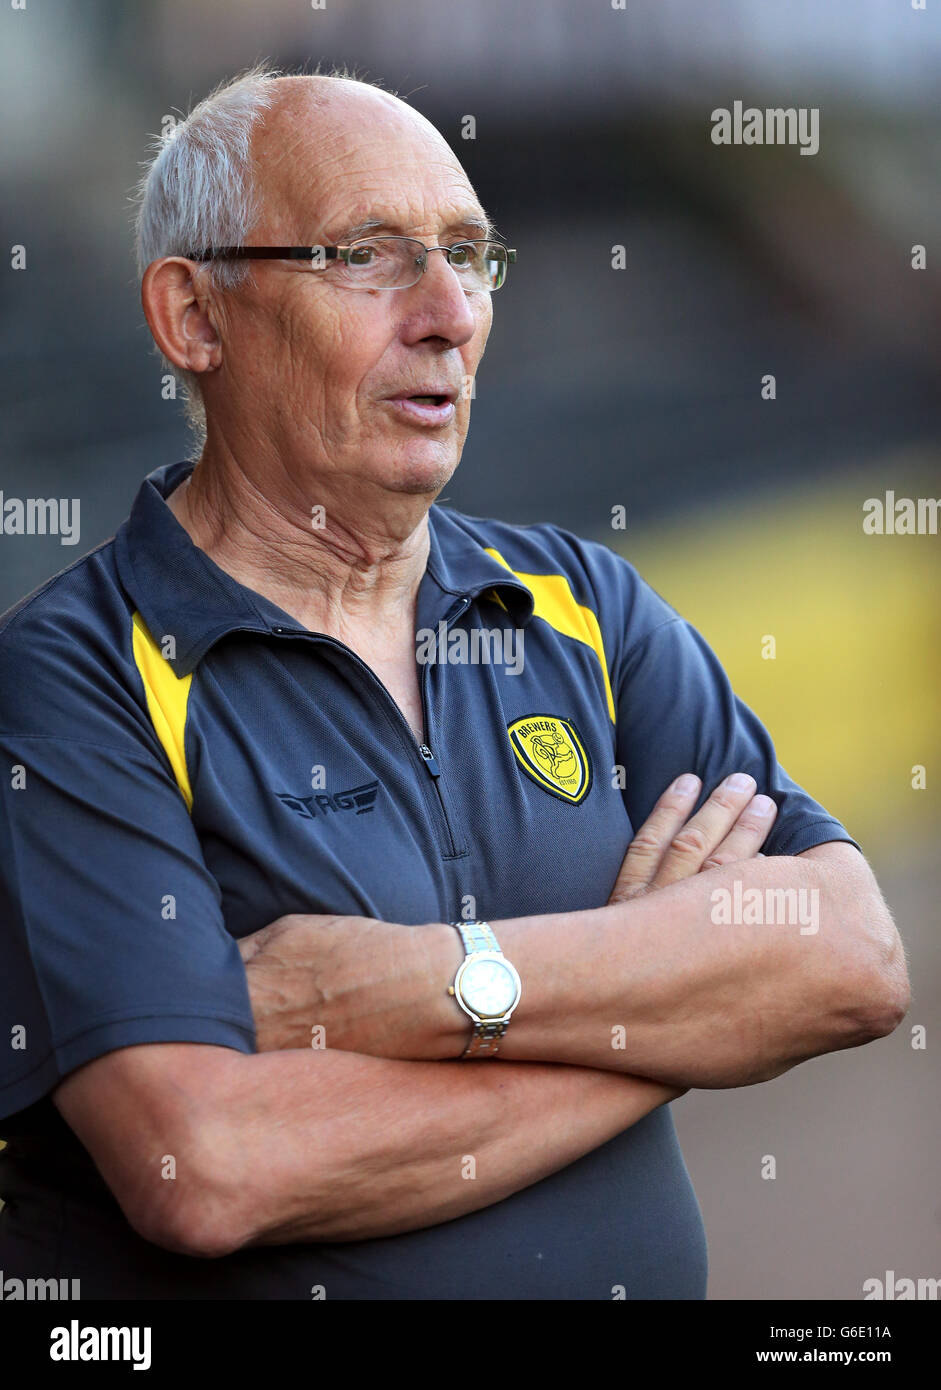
(557, 605)
(167, 695)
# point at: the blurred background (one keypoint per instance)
(638, 387)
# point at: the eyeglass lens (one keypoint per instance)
(397, 262)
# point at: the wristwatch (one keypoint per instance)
(486, 987)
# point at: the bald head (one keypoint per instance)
(332, 153)
(296, 101)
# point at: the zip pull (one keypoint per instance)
(430, 761)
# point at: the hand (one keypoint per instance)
(353, 984)
(733, 824)
(285, 964)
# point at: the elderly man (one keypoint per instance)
(330, 967)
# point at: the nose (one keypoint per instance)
(447, 311)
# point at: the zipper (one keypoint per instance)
(429, 761)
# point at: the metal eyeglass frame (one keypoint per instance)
(321, 254)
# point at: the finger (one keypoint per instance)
(701, 836)
(747, 835)
(649, 845)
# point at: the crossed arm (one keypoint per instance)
(366, 1137)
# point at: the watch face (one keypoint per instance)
(488, 988)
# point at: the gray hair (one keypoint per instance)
(197, 192)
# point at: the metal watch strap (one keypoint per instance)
(477, 936)
(486, 1038)
(487, 1033)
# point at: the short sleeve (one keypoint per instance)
(677, 712)
(675, 709)
(111, 930)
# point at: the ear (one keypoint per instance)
(177, 309)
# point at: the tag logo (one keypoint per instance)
(551, 753)
(361, 798)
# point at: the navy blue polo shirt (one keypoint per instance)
(183, 764)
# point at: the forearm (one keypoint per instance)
(662, 987)
(653, 987)
(322, 1145)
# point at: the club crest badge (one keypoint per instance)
(550, 751)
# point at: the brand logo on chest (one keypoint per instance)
(550, 751)
(357, 799)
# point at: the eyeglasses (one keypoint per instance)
(385, 262)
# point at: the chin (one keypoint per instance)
(415, 476)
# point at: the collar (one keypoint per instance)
(459, 564)
(178, 590)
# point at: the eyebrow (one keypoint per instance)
(374, 224)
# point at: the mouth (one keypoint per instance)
(425, 407)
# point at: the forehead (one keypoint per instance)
(325, 161)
